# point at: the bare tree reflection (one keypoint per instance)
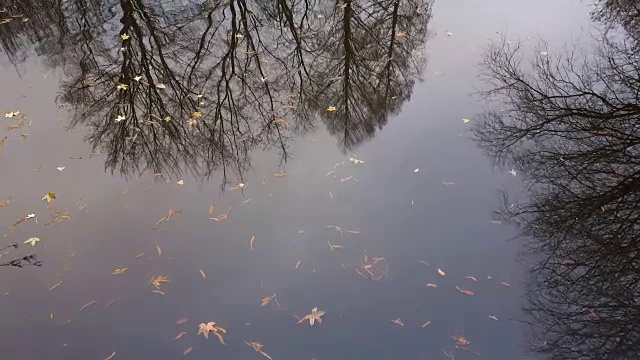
(572, 124)
(199, 88)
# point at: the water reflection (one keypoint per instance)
(570, 123)
(199, 86)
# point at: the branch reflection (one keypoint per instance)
(571, 123)
(198, 87)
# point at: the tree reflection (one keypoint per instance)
(571, 123)
(208, 83)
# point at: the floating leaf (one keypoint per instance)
(504, 283)
(159, 250)
(110, 356)
(431, 285)
(465, 291)
(253, 237)
(211, 326)
(161, 86)
(471, 278)
(119, 118)
(238, 186)
(258, 347)
(180, 182)
(416, 170)
(158, 280)
(398, 322)
(426, 324)
(297, 265)
(279, 174)
(331, 108)
(267, 299)
(32, 241)
(204, 276)
(182, 321)
(49, 196)
(460, 340)
(187, 351)
(137, 78)
(466, 121)
(124, 36)
(4, 202)
(196, 114)
(313, 316)
(493, 317)
(11, 114)
(441, 272)
(122, 86)
(119, 271)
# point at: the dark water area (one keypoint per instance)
(336, 154)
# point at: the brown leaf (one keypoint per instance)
(267, 299)
(211, 326)
(465, 291)
(313, 316)
(3, 202)
(280, 174)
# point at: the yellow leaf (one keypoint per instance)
(124, 36)
(331, 108)
(180, 182)
(196, 114)
(122, 86)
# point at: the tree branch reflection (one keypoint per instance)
(571, 123)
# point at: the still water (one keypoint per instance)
(320, 151)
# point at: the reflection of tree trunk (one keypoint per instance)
(348, 53)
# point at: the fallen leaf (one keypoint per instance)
(471, 278)
(211, 326)
(466, 121)
(297, 265)
(513, 172)
(460, 340)
(258, 347)
(331, 108)
(196, 114)
(431, 285)
(354, 232)
(313, 316)
(253, 237)
(355, 160)
(49, 196)
(119, 271)
(182, 321)
(61, 168)
(416, 170)
(161, 86)
(139, 255)
(441, 272)
(11, 114)
(267, 299)
(157, 281)
(122, 86)
(426, 324)
(239, 186)
(180, 182)
(465, 291)
(211, 209)
(159, 250)
(159, 292)
(137, 78)
(492, 317)
(187, 351)
(110, 356)
(32, 241)
(279, 174)
(204, 276)
(504, 283)
(55, 285)
(398, 322)
(124, 36)
(180, 335)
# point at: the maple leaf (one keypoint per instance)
(211, 326)
(119, 118)
(196, 114)
(122, 86)
(331, 108)
(137, 78)
(267, 299)
(313, 316)
(124, 36)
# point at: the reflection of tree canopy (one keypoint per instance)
(572, 124)
(210, 82)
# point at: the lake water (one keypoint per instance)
(357, 108)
